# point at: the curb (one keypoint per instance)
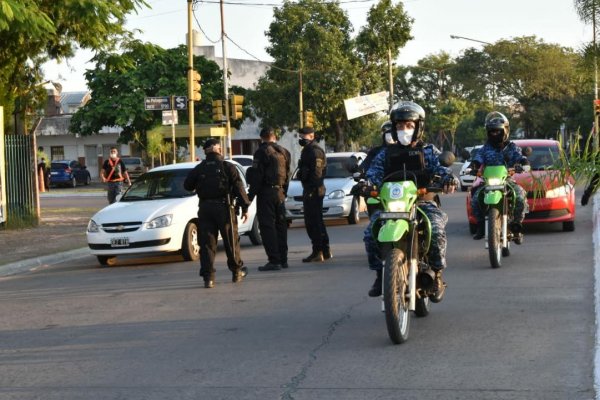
(32, 264)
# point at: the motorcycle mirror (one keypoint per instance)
(352, 165)
(447, 158)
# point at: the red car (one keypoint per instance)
(550, 194)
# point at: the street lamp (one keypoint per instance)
(491, 70)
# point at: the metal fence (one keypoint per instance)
(20, 181)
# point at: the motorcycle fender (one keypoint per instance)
(372, 200)
(392, 231)
(492, 197)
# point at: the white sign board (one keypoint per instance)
(364, 105)
(169, 117)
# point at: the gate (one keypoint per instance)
(21, 209)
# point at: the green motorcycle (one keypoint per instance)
(403, 232)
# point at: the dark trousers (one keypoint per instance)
(215, 217)
(313, 220)
(270, 209)
(114, 189)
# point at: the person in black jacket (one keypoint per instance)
(311, 166)
(217, 183)
(269, 178)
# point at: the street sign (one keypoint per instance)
(180, 102)
(169, 117)
(157, 103)
(364, 105)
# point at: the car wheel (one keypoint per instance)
(190, 249)
(73, 182)
(568, 226)
(107, 261)
(254, 233)
(354, 216)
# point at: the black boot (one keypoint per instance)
(327, 254)
(375, 290)
(315, 256)
(480, 232)
(439, 287)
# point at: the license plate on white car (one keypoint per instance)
(119, 242)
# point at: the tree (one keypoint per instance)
(35, 31)
(120, 81)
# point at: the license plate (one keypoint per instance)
(119, 242)
(53, 173)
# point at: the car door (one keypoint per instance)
(77, 171)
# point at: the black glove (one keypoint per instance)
(475, 165)
(585, 198)
(518, 168)
(357, 189)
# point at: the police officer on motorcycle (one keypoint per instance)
(408, 151)
(217, 183)
(312, 166)
(498, 150)
(269, 178)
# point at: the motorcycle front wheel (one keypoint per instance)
(495, 237)
(395, 290)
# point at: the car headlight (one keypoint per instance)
(560, 191)
(337, 194)
(93, 227)
(160, 222)
(466, 171)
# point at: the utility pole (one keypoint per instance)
(391, 78)
(228, 149)
(192, 139)
(300, 99)
(596, 117)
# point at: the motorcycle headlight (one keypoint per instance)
(560, 191)
(337, 194)
(494, 181)
(160, 222)
(396, 206)
(93, 227)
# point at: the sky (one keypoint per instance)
(165, 24)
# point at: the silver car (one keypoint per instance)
(338, 202)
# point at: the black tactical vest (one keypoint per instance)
(408, 163)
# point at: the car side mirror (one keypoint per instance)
(447, 158)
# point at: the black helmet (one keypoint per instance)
(386, 126)
(497, 127)
(409, 111)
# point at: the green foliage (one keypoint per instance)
(35, 31)
(121, 80)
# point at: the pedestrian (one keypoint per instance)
(114, 173)
(269, 177)
(311, 167)
(217, 183)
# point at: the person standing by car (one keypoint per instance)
(114, 173)
(269, 178)
(311, 167)
(217, 183)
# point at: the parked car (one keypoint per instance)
(135, 166)
(464, 176)
(68, 173)
(338, 202)
(244, 160)
(550, 194)
(156, 214)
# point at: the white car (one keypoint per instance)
(244, 160)
(465, 177)
(338, 202)
(156, 214)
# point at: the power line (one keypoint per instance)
(236, 3)
(202, 30)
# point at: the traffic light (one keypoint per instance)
(309, 119)
(596, 107)
(218, 114)
(196, 85)
(236, 104)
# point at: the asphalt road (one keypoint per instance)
(147, 329)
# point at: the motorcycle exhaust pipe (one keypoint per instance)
(426, 279)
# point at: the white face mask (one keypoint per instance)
(405, 136)
(389, 139)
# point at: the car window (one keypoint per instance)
(336, 168)
(132, 161)
(158, 185)
(246, 162)
(58, 166)
(543, 157)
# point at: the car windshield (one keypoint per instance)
(158, 185)
(543, 157)
(131, 161)
(336, 168)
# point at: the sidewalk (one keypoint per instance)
(59, 237)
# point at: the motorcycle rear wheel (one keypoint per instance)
(395, 289)
(495, 237)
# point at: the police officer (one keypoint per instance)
(114, 173)
(269, 178)
(311, 168)
(409, 149)
(216, 183)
